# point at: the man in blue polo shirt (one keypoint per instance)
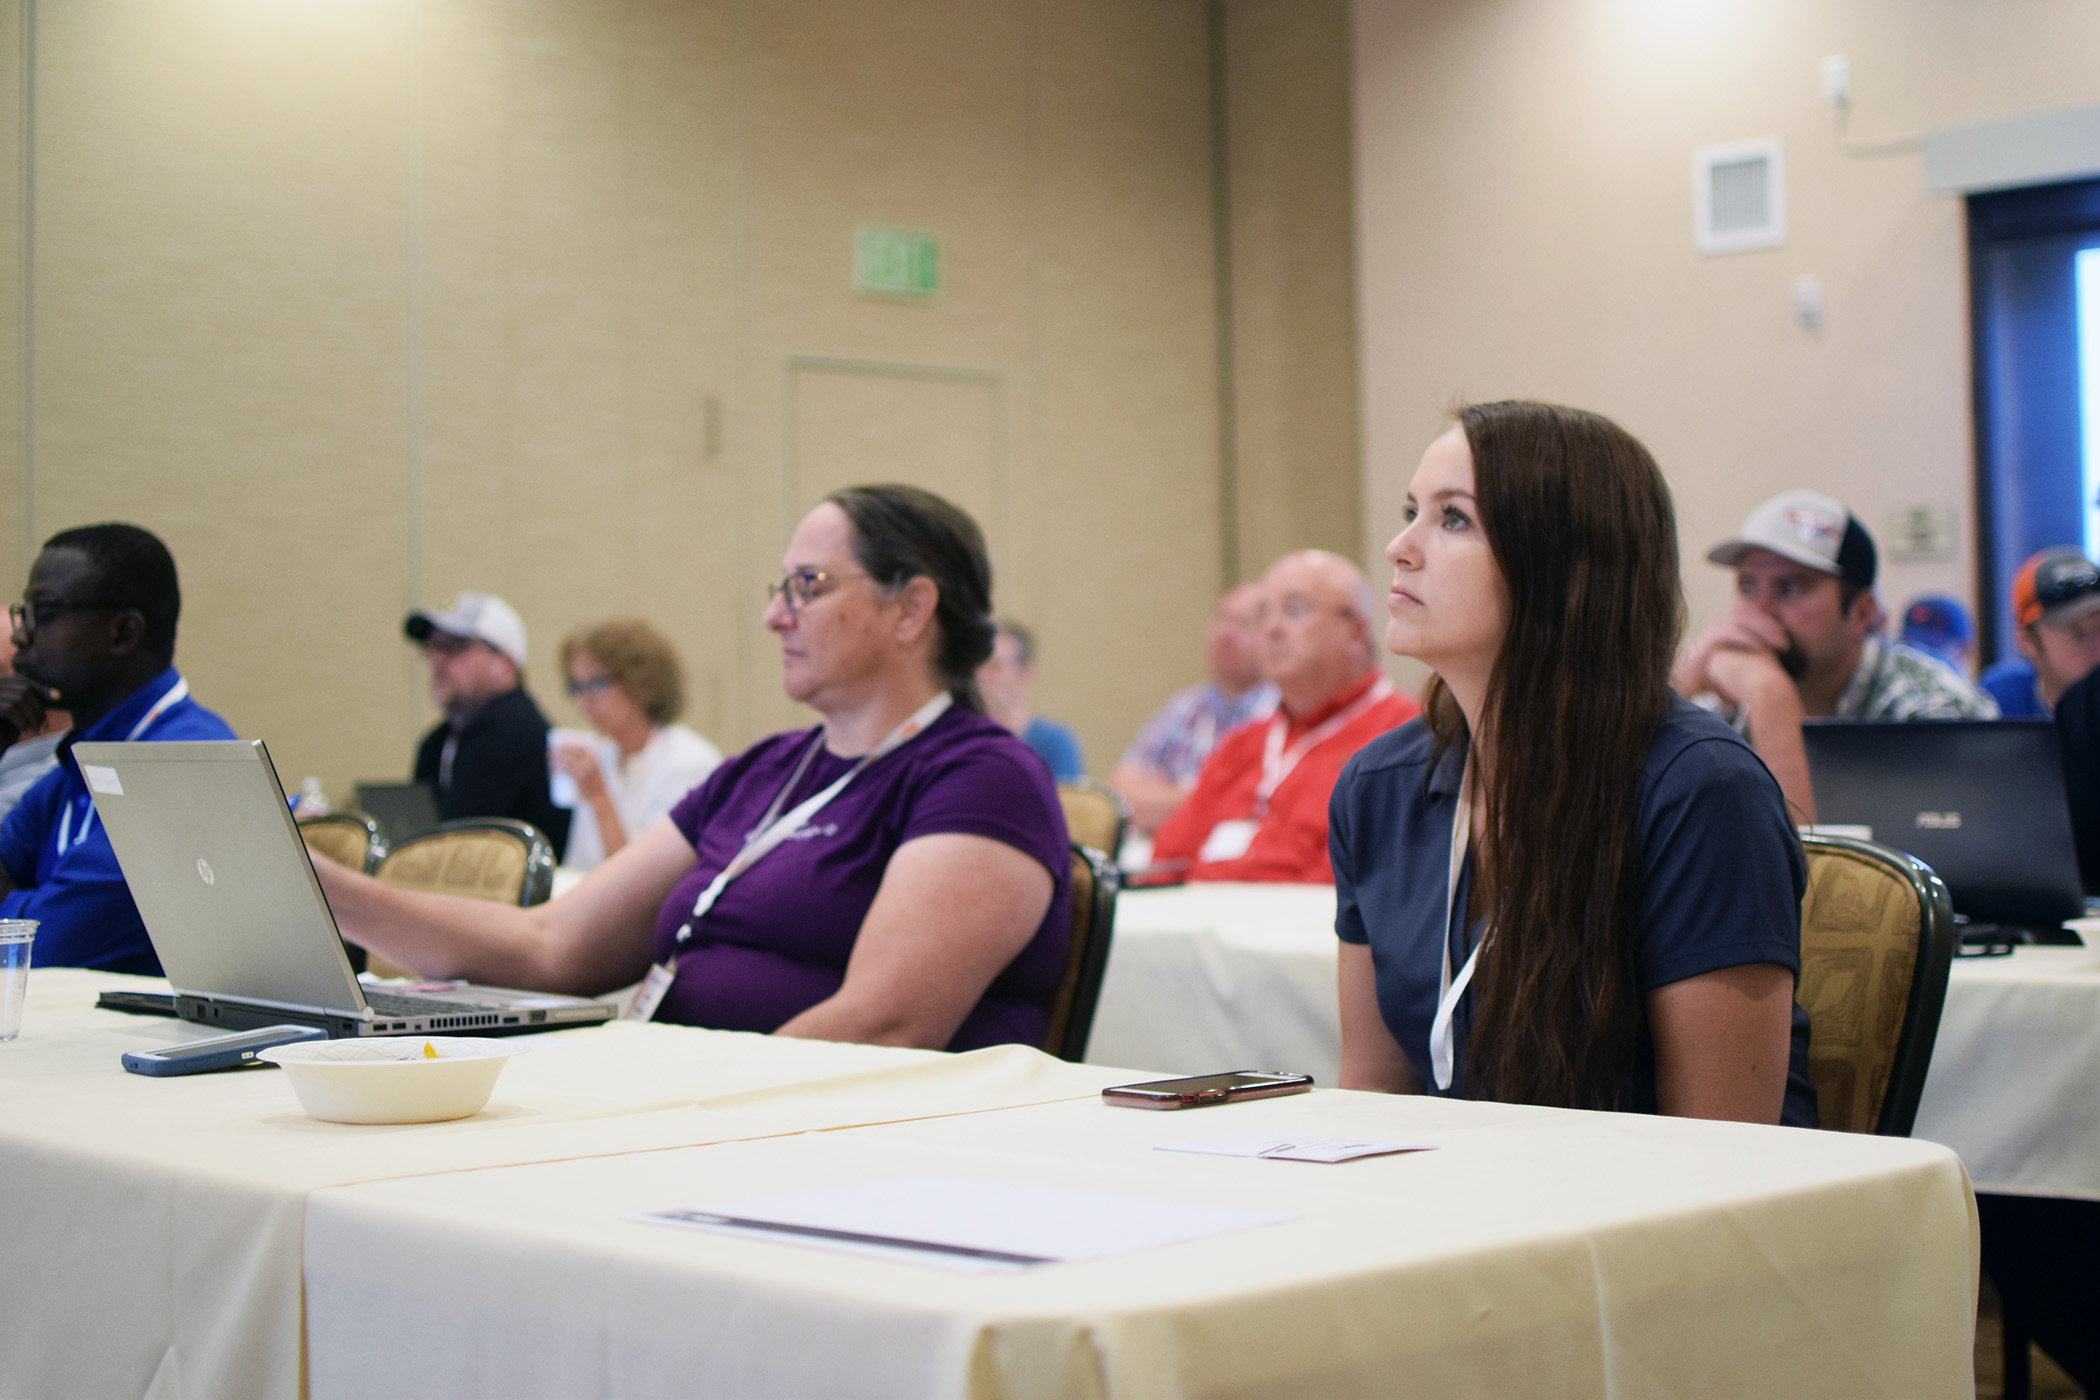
(94, 632)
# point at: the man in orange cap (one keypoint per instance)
(2056, 604)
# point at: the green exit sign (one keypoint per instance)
(898, 262)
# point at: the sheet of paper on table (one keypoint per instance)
(1292, 1149)
(969, 1226)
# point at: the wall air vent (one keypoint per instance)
(1738, 197)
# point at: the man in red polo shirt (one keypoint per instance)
(1259, 811)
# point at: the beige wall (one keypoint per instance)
(1524, 227)
(361, 304)
(1293, 293)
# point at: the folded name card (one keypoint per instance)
(1292, 1149)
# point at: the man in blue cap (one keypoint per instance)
(1938, 624)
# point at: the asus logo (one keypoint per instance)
(1939, 821)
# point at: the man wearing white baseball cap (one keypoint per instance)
(1800, 641)
(488, 757)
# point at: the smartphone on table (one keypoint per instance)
(1202, 1090)
(217, 1052)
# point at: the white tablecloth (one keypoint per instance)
(1214, 976)
(155, 1224)
(2015, 1082)
(1534, 1253)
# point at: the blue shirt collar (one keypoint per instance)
(119, 722)
(1447, 772)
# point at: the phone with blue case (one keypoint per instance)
(217, 1052)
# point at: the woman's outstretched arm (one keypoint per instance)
(587, 942)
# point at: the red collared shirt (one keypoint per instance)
(1290, 841)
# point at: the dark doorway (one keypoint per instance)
(2034, 262)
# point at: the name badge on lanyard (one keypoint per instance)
(1278, 763)
(772, 830)
(1442, 1047)
(1228, 841)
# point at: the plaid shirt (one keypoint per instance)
(1894, 681)
(1177, 739)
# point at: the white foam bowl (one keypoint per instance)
(390, 1079)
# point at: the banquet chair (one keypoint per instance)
(1095, 815)
(1094, 885)
(492, 858)
(349, 839)
(1877, 940)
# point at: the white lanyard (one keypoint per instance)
(1450, 992)
(773, 829)
(177, 693)
(1277, 762)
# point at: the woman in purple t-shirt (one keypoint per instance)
(912, 890)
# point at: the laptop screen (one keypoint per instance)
(1980, 801)
(221, 876)
(401, 810)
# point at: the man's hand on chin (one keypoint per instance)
(22, 705)
(1723, 656)
(1753, 680)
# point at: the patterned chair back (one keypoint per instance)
(492, 858)
(346, 838)
(1877, 939)
(1094, 816)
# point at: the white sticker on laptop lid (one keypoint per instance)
(100, 779)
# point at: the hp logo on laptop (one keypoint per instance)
(204, 872)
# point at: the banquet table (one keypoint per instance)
(203, 1237)
(1211, 977)
(156, 1244)
(1208, 977)
(1528, 1252)
(2015, 1081)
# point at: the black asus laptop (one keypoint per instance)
(1980, 801)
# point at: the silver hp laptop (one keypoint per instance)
(1981, 801)
(223, 880)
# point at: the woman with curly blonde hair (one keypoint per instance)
(625, 678)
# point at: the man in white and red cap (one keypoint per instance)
(488, 756)
(1800, 643)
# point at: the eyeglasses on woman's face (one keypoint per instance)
(588, 685)
(801, 587)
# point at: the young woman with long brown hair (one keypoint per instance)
(1563, 885)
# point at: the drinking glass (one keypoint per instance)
(17, 937)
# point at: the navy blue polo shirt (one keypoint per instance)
(1721, 881)
(65, 874)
